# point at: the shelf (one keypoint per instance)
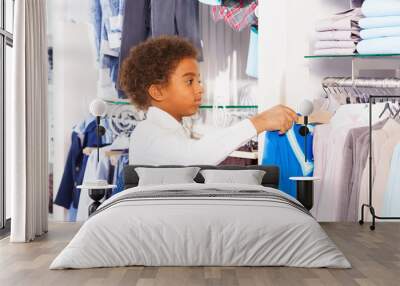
(118, 102)
(230, 106)
(127, 102)
(353, 56)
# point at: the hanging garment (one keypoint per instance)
(119, 173)
(75, 165)
(382, 138)
(356, 151)
(137, 15)
(327, 190)
(177, 17)
(287, 152)
(378, 8)
(379, 22)
(161, 140)
(383, 166)
(355, 158)
(107, 18)
(237, 14)
(211, 2)
(94, 171)
(252, 58)
(392, 194)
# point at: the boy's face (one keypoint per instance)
(182, 95)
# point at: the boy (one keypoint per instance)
(162, 76)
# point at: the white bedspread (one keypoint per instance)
(200, 231)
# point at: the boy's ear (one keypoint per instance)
(156, 93)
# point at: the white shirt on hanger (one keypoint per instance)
(384, 142)
(162, 140)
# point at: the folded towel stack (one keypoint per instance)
(339, 34)
(381, 28)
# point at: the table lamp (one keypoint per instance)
(98, 109)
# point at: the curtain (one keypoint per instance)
(27, 120)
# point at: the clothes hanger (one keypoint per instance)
(387, 107)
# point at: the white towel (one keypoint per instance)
(335, 44)
(344, 21)
(334, 52)
(338, 36)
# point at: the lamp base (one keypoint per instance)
(305, 190)
(96, 195)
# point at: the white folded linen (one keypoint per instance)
(345, 21)
(334, 52)
(338, 36)
(334, 45)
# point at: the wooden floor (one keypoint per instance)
(375, 257)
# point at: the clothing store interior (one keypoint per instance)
(238, 142)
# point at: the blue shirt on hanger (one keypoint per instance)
(287, 152)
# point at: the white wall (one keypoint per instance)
(75, 78)
(286, 31)
(286, 36)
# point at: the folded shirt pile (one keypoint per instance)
(339, 34)
(381, 28)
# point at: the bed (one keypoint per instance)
(201, 224)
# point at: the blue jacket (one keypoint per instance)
(75, 166)
(287, 152)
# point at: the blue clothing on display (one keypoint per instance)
(287, 152)
(392, 193)
(107, 18)
(377, 8)
(119, 173)
(379, 22)
(380, 32)
(252, 58)
(386, 45)
(75, 165)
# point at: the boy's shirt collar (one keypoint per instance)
(163, 118)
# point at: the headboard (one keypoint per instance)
(270, 179)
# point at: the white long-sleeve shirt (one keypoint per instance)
(162, 140)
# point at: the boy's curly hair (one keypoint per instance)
(152, 62)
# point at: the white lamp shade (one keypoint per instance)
(98, 107)
(306, 107)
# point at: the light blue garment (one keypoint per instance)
(387, 45)
(72, 212)
(391, 204)
(252, 57)
(287, 152)
(380, 32)
(377, 8)
(379, 22)
(102, 11)
(119, 173)
(211, 2)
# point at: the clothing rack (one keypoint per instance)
(385, 89)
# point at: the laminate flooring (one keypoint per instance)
(374, 255)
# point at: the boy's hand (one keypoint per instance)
(279, 118)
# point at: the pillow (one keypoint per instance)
(166, 176)
(248, 177)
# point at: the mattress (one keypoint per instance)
(201, 225)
